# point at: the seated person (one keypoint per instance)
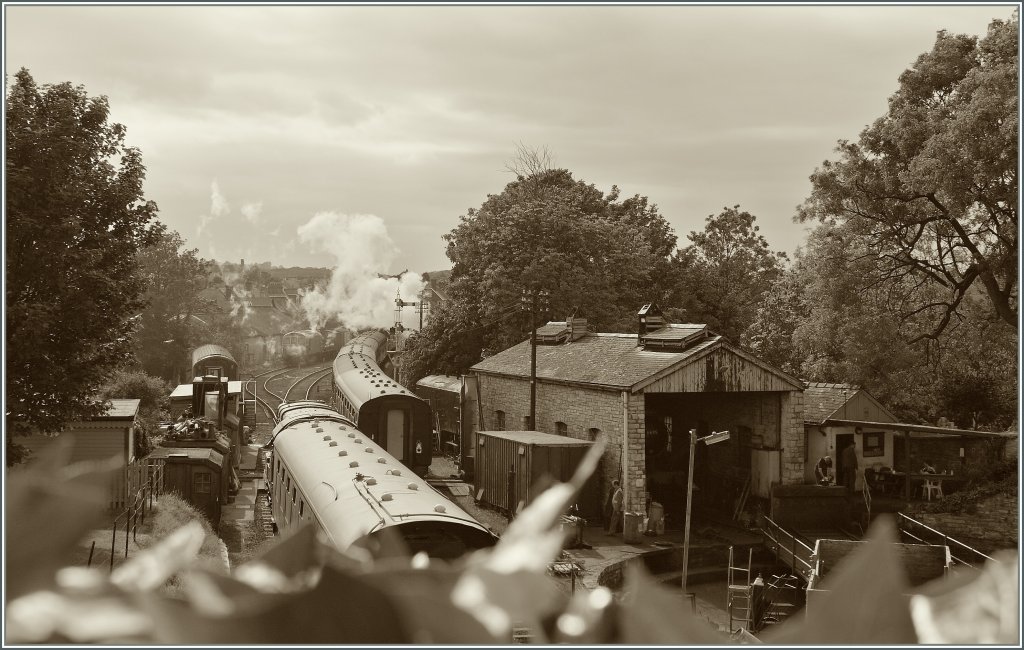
(823, 471)
(928, 469)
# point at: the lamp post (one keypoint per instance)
(712, 438)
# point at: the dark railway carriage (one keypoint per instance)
(304, 345)
(327, 472)
(389, 413)
(214, 360)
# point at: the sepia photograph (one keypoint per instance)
(503, 324)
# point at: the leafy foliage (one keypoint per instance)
(174, 278)
(726, 270)
(931, 187)
(595, 254)
(76, 217)
(152, 393)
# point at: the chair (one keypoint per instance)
(932, 486)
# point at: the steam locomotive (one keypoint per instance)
(327, 471)
(387, 412)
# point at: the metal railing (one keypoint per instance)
(139, 506)
(960, 553)
(791, 551)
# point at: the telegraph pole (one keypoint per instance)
(533, 362)
(533, 304)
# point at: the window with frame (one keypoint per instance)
(874, 443)
(561, 428)
(499, 417)
(202, 483)
(527, 425)
(594, 432)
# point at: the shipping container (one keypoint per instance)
(514, 467)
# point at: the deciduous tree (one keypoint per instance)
(594, 254)
(726, 270)
(174, 277)
(76, 216)
(932, 185)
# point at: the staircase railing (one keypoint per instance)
(791, 551)
(960, 553)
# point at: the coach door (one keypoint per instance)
(394, 425)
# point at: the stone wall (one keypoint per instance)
(793, 440)
(991, 526)
(580, 409)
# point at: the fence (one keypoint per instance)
(144, 481)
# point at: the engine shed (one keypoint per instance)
(644, 392)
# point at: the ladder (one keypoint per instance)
(742, 503)
(740, 602)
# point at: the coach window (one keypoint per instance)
(561, 429)
(302, 507)
(500, 417)
(295, 494)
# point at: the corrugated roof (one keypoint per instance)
(210, 350)
(612, 360)
(442, 382)
(822, 400)
(537, 438)
(121, 409)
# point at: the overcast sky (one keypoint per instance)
(252, 119)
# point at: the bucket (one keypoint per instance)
(631, 532)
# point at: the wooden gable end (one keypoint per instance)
(720, 369)
(863, 407)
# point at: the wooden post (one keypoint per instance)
(91, 550)
(113, 540)
(906, 482)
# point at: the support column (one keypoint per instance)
(791, 438)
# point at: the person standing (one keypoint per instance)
(615, 521)
(849, 459)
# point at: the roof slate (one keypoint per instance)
(822, 400)
(611, 360)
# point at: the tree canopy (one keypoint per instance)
(595, 255)
(173, 278)
(76, 216)
(725, 271)
(932, 185)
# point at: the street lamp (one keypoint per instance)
(712, 438)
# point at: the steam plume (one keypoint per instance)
(356, 294)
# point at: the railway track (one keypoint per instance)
(275, 390)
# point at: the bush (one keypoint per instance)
(172, 512)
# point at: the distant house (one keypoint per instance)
(100, 438)
(263, 327)
(824, 402)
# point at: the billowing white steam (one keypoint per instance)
(362, 248)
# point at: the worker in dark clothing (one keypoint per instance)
(849, 459)
(823, 471)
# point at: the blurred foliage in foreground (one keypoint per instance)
(303, 592)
